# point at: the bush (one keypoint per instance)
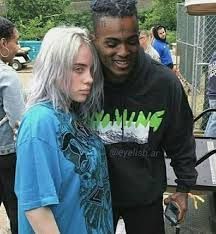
(35, 29)
(171, 37)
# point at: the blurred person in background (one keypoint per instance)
(11, 109)
(161, 45)
(210, 130)
(144, 40)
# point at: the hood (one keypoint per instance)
(155, 33)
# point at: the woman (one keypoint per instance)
(11, 108)
(61, 175)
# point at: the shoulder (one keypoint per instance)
(8, 75)
(6, 69)
(158, 45)
(41, 113)
(39, 121)
(157, 42)
(164, 76)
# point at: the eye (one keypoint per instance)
(78, 69)
(133, 41)
(111, 44)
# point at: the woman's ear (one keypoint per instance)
(3, 42)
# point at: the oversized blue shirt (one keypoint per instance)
(61, 164)
(164, 51)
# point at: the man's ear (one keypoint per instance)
(92, 37)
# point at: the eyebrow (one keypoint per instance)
(117, 39)
(80, 64)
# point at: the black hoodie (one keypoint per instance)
(144, 117)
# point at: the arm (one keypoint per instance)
(158, 48)
(179, 145)
(42, 221)
(13, 102)
(37, 159)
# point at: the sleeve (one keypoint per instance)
(158, 48)
(13, 102)
(38, 174)
(179, 142)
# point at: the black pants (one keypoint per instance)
(142, 219)
(7, 195)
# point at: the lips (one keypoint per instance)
(85, 92)
(122, 64)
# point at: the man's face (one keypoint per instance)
(117, 42)
(162, 33)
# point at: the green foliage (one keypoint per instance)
(163, 12)
(30, 9)
(81, 19)
(35, 29)
(35, 17)
(171, 37)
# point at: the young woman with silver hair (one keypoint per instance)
(11, 108)
(61, 175)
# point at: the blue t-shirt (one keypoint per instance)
(164, 51)
(61, 164)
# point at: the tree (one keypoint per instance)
(163, 12)
(29, 9)
(35, 17)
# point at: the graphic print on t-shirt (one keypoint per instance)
(86, 152)
(125, 127)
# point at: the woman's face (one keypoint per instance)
(81, 78)
(9, 47)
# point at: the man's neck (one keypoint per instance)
(115, 79)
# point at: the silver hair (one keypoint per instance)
(54, 65)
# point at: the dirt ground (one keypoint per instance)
(4, 223)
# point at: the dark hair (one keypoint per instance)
(155, 30)
(115, 8)
(6, 28)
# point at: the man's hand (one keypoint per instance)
(181, 199)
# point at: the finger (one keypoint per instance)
(181, 217)
(167, 200)
(182, 212)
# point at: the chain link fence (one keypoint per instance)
(196, 42)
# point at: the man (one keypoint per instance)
(144, 40)
(210, 130)
(146, 113)
(161, 45)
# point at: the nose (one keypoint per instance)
(123, 50)
(88, 78)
